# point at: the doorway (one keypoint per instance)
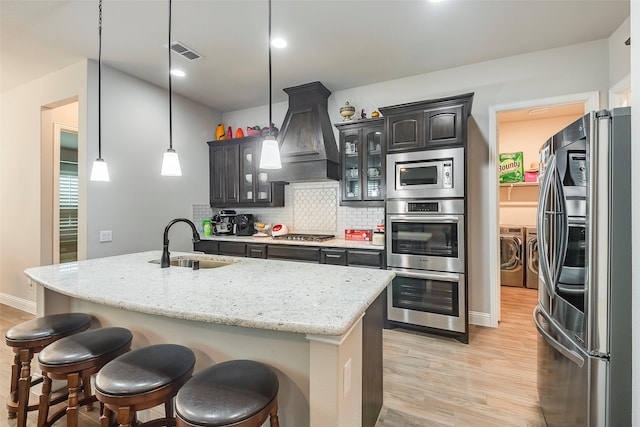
(60, 167)
(520, 200)
(65, 193)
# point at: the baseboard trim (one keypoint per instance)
(18, 303)
(480, 319)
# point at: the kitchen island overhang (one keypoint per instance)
(305, 320)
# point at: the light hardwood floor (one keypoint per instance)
(428, 380)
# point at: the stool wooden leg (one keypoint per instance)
(273, 415)
(13, 390)
(106, 418)
(125, 416)
(45, 401)
(24, 385)
(73, 381)
(86, 387)
(168, 409)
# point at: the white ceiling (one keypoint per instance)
(343, 44)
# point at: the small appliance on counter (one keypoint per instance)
(279, 230)
(245, 225)
(224, 222)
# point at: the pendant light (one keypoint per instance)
(270, 156)
(99, 170)
(170, 161)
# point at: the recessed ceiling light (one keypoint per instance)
(178, 73)
(279, 43)
(435, 1)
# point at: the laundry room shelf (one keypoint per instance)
(511, 185)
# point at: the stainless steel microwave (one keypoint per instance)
(426, 174)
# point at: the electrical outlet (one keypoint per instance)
(347, 378)
(105, 236)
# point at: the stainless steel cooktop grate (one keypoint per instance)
(305, 237)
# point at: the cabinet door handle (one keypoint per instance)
(333, 256)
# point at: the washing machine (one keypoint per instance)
(512, 255)
(531, 257)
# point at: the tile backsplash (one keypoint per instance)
(310, 207)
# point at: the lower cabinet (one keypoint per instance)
(232, 248)
(372, 258)
(256, 251)
(294, 253)
(333, 256)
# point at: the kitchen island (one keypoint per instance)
(304, 320)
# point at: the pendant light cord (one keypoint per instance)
(170, 112)
(99, 79)
(269, 68)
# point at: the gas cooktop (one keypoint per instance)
(305, 237)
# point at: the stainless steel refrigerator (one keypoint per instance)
(583, 316)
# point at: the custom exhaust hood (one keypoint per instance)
(308, 147)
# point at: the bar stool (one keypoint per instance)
(28, 338)
(142, 379)
(238, 393)
(75, 359)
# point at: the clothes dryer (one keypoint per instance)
(531, 257)
(512, 255)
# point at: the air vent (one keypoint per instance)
(185, 51)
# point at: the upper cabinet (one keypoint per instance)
(427, 124)
(235, 178)
(362, 164)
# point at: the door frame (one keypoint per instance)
(591, 101)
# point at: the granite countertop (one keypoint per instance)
(255, 293)
(334, 243)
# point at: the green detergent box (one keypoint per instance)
(511, 167)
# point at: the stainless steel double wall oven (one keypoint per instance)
(425, 239)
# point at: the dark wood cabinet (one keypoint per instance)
(223, 166)
(366, 258)
(257, 251)
(294, 253)
(232, 248)
(362, 162)
(373, 258)
(427, 125)
(333, 256)
(235, 178)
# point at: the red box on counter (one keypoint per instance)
(358, 234)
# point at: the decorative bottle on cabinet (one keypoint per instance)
(220, 135)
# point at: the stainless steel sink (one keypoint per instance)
(188, 261)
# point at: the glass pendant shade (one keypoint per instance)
(171, 164)
(270, 157)
(99, 171)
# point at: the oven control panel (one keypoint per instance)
(423, 207)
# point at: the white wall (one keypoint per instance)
(619, 58)
(20, 184)
(137, 203)
(573, 69)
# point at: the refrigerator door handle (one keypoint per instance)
(543, 259)
(563, 226)
(569, 354)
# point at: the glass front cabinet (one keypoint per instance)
(362, 162)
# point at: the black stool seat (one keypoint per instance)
(142, 379)
(145, 369)
(75, 359)
(85, 346)
(28, 338)
(227, 393)
(47, 327)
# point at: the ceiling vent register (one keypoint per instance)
(185, 51)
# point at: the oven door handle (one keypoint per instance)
(448, 219)
(445, 277)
